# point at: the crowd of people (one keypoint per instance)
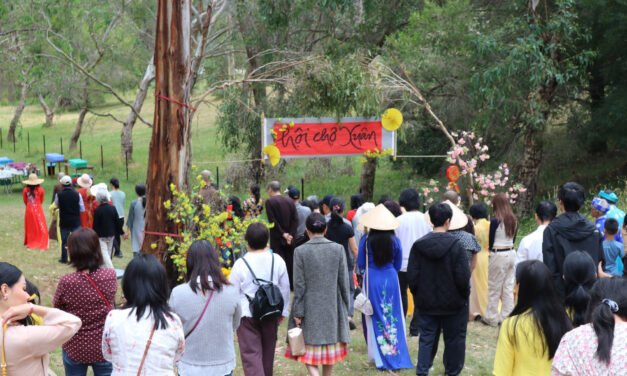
(559, 299)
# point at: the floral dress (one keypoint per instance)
(387, 344)
(576, 354)
(252, 209)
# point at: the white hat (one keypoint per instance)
(379, 218)
(65, 180)
(84, 181)
(99, 188)
(459, 220)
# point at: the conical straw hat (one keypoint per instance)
(379, 218)
(459, 220)
(33, 180)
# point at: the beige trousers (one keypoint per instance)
(501, 281)
(106, 248)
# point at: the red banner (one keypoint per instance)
(348, 137)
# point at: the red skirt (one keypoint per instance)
(325, 355)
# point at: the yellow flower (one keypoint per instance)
(226, 272)
(153, 246)
(391, 119)
(172, 187)
(273, 153)
(167, 204)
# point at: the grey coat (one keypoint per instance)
(321, 292)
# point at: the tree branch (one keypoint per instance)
(89, 75)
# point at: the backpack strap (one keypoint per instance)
(255, 279)
(272, 268)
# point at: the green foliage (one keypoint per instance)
(526, 60)
(195, 221)
(339, 88)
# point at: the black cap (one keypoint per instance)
(293, 193)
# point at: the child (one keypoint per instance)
(613, 250)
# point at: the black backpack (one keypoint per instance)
(268, 300)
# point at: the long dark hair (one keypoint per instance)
(140, 189)
(31, 190)
(504, 214)
(537, 294)
(382, 245)
(337, 208)
(580, 273)
(235, 202)
(609, 298)
(254, 190)
(10, 275)
(203, 263)
(145, 286)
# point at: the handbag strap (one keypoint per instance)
(367, 266)
(141, 364)
(4, 358)
(93, 283)
(201, 315)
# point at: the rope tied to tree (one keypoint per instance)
(186, 105)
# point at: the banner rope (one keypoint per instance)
(159, 96)
(162, 234)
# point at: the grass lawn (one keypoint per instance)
(337, 175)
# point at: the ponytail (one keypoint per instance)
(578, 301)
(603, 323)
(580, 274)
(254, 189)
(609, 299)
(337, 207)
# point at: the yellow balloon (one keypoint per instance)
(391, 119)
(273, 153)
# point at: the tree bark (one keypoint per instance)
(48, 112)
(127, 128)
(18, 112)
(368, 172)
(81, 118)
(170, 152)
(79, 128)
(530, 168)
(258, 89)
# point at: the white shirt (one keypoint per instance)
(124, 341)
(530, 247)
(413, 226)
(260, 262)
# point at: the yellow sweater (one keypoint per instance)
(526, 356)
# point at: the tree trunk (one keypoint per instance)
(368, 172)
(48, 112)
(81, 119)
(596, 142)
(78, 129)
(530, 168)
(18, 112)
(170, 149)
(131, 118)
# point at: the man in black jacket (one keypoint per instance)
(439, 278)
(570, 232)
(70, 205)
